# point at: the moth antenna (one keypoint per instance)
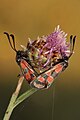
(12, 46)
(12, 36)
(72, 43)
(7, 35)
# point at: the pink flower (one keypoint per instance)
(46, 51)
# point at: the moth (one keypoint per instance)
(46, 78)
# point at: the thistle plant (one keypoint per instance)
(40, 63)
(48, 50)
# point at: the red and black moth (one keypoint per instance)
(44, 79)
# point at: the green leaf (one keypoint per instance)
(24, 96)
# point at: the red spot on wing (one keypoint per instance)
(22, 65)
(50, 79)
(58, 68)
(27, 76)
(28, 66)
(31, 71)
(24, 62)
(41, 79)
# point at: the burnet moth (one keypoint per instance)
(46, 78)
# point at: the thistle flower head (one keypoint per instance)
(46, 51)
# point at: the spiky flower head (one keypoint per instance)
(46, 51)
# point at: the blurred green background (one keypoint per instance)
(30, 18)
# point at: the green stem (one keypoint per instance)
(24, 96)
(12, 100)
(10, 108)
(15, 100)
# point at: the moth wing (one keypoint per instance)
(27, 71)
(46, 79)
